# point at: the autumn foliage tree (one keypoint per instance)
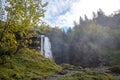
(23, 18)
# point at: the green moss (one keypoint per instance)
(88, 75)
(27, 64)
(70, 67)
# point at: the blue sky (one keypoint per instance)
(62, 13)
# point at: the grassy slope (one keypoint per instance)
(88, 75)
(27, 64)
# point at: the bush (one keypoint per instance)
(115, 69)
(63, 72)
(88, 71)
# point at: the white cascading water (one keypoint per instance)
(46, 47)
(42, 45)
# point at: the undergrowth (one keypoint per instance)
(26, 65)
(88, 75)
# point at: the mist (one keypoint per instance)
(89, 43)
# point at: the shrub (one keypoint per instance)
(62, 72)
(115, 69)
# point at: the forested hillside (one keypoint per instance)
(90, 50)
(92, 42)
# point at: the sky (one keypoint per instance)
(63, 13)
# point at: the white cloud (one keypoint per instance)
(62, 13)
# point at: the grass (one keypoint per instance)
(70, 67)
(26, 65)
(88, 75)
(115, 69)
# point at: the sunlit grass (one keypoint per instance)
(27, 64)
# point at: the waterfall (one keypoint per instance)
(46, 47)
(42, 45)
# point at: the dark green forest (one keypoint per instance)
(90, 43)
(88, 51)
